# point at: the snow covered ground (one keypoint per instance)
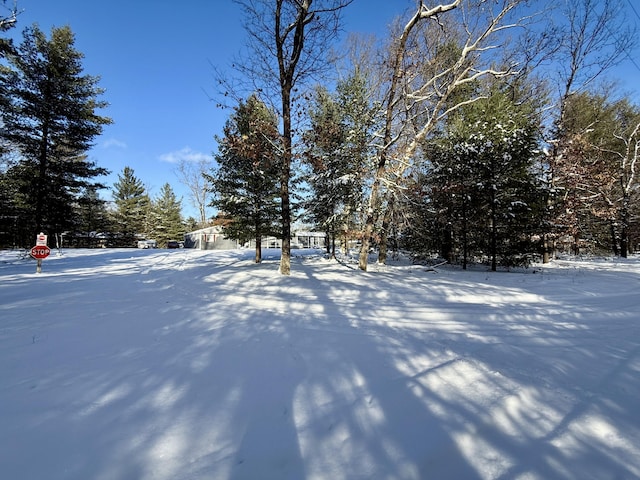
(181, 364)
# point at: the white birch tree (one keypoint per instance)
(437, 52)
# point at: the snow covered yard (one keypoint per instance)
(150, 364)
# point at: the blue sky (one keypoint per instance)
(155, 61)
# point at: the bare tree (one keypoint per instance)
(192, 175)
(288, 41)
(623, 178)
(8, 20)
(437, 52)
(628, 182)
(596, 37)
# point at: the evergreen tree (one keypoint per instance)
(7, 21)
(245, 184)
(49, 121)
(132, 206)
(328, 178)
(165, 217)
(484, 187)
(337, 152)
(358, 117)
(422, 235)
(288, 41)
(451, 180)
(595, 182)
(192, 224)
(11, 235)
(92, 215)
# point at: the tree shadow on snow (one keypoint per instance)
(229, 370)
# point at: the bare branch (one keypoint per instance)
(423, 77)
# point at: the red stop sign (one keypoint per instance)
(40, 251)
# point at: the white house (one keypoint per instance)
(212, 238)
(209, 238)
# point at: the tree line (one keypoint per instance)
(50, 119)
(475, 131)
(472, 131)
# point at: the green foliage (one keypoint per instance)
(132, 207)
(337, 151)
(245, 185)
(326, 158)
(192, 224)
(165, 218)
(594, 176)
(483, 194)
(92, 214)
(49, 121)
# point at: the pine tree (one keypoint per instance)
(92, 215)
(49, 120)
(245, 184)
(10, 233)
(165, 217)
(484, 186)
(288, 41)
(132, 206)
(7, 21)
(337, 152)
(326, 158)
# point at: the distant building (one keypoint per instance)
(209, 238)
(307, 239)
(301, 239)
(213, 238)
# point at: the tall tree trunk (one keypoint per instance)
(465, 233)
(624, 230)
(384, 233)
(547, 244)
(287, 64)
(374, 196)
(285, 177)
(333, 243)
(258, 248)
(371, 219)
(494, 238)
(546, 248)
(614, 237)
(327, 241)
